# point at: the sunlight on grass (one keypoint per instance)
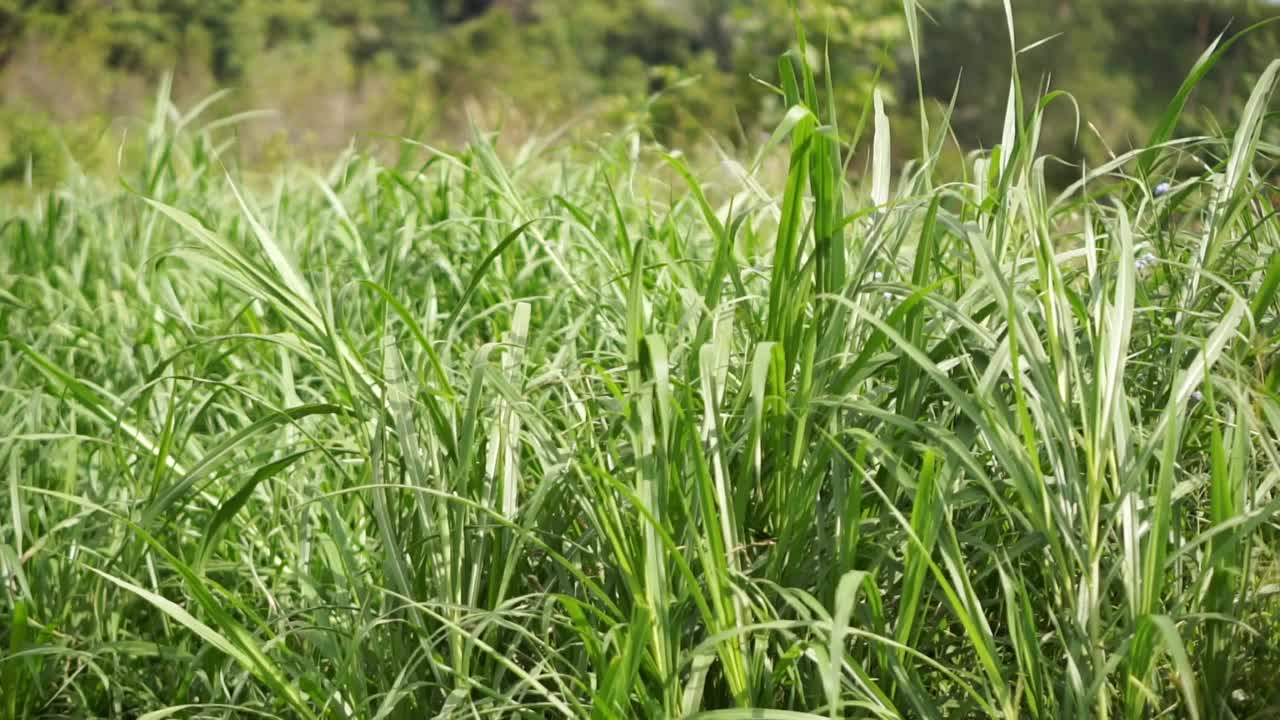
(598, 433)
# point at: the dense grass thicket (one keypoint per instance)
(584, 432)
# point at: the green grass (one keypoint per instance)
(587, 432)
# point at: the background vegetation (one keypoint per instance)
(75, 74)
(581, 427)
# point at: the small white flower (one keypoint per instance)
(1145, 263)
(1161, 189)
(1197, 396)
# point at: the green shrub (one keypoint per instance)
(35, 148)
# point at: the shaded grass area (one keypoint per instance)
(553, 433)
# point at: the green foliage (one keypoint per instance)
(35, 150)
(680, 71)
(1118, 69)
(595, 431)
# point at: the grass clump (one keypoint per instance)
(545, 435)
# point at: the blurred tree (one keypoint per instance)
(1121, 67)
(678, 67)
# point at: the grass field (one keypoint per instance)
(584, 432)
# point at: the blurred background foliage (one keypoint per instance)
(77, 76)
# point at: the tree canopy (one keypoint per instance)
(681, 70)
